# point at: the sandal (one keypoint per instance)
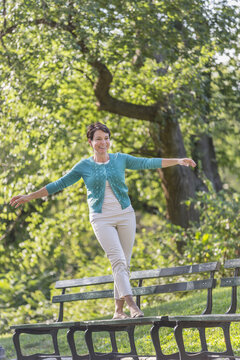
(137, 314)
(117, 316)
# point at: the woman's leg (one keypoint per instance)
(119, 313)
(126, 228)
(107, 235)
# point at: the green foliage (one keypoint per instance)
(217, 234)
(214, 237)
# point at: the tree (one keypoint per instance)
(144, 60)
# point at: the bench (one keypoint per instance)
(207, 282)
(212, 320)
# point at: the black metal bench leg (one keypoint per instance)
(156, 342)
(132, 341)
(54, 334)
(16, 341)
(202, 335)
(114, 354)
(89, 342)
(226, 332)
(71, 343)
(17, 345)
(157, 346)
(113, 341)
(180, 343)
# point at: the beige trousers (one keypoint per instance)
(116, 235)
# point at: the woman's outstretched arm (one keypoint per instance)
(172, 162)
(18, 200)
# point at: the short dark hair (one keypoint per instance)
(97, 126)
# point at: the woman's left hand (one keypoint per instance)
(187, 162)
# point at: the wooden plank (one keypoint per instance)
(97, 280)
(43, 326)
(232, 264)
(148, 290)
(67, 324)
(175, 287)
(143, 274)
(209, 317)
(129, 321)
(175, 271)
(83, 296)
(232, 281)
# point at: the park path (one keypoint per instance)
(129, 358)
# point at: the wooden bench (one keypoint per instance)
(212, 320)
(112, 326)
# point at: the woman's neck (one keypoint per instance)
(101, 157)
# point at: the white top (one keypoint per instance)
(111, 206)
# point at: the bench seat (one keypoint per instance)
(67, 324)
(146, 320)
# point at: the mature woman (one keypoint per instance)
(111, 214)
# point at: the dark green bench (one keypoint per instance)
(206, 282)
(211, 321)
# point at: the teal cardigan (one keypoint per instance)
(95, 176)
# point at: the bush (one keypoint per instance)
(214, 237)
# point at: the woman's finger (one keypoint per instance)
(15, 201)
(14, 198)
(20, 203)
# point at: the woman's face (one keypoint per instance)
(100, 142)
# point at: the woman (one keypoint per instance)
(111, 214)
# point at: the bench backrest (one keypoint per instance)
(232, 282)
(206, 283)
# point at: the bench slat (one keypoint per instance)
(83, 296)
(148, 290)
(208, 318)
(232, 264)
(97, 280)
(175, 271)
(232, 281)
(144, 274)
(176, 287)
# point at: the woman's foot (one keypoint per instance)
(136, 313)
(120, 315)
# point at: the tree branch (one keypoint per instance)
(87, 77)
(4, 14)
(108, 103)
(51, 23)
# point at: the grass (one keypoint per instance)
(191, 304)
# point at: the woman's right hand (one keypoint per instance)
(18, 200)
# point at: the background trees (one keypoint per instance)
(150, 70)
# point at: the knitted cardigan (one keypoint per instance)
(95, 176)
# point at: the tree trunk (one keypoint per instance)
(203, 150)
(179, 182)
